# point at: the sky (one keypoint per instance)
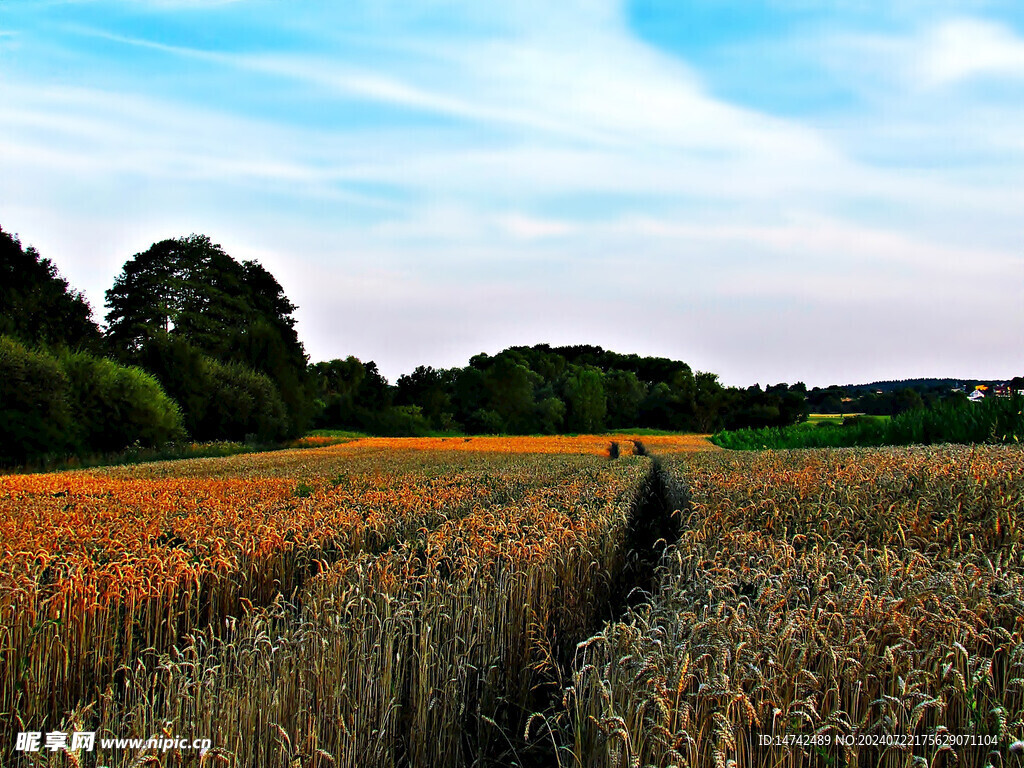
(772, 190)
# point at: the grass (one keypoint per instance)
(836, 418)
(996, 420)
(345, 433)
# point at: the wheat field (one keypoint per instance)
(624, 601)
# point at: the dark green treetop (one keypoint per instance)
(37, 305)
(233, 312)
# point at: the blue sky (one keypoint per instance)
(774, 190)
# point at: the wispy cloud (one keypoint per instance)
(427, 177)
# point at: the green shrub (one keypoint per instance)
(35, 416)
(219, 401)
(182, 372)
(486, 422)
(400, 421)
(115, 406)
(241, 405)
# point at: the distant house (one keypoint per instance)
(996, 390)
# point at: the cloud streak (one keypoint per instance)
(435, 186)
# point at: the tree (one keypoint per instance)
(468, 394)
(243, 405)
(354, 395)
(52, 403)
(550, 415)
(791, 402)
(186, 286)
(270, 344)
(510, 388)
(218, 400)
(231, 312)
(335, 385)
(584, 395)
(708, 402)
(182, 371)
(37, 305)
(906, 400)
(429, 389)
(625, 392)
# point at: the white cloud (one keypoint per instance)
(961, 49)
(525, 227)
(556, 179)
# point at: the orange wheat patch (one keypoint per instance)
(110, 566)
(598, 445)
(591, 444)
(672, 443)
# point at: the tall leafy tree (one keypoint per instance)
(37, 305)
(233, 312)
(272, 344)
(186, 286)
(585, 396)
(351, 394)
(510, 387)
(428, 388)
(709, 401)
(624, 392)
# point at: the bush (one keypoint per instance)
(400, 421)
(35, 416)
(486, 422)
(219, 401)
(115, 406)
(241, 405)
(181, 370)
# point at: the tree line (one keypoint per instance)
(198, 345)
(891, 398)
(544, 389)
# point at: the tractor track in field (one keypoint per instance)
(655, 524)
